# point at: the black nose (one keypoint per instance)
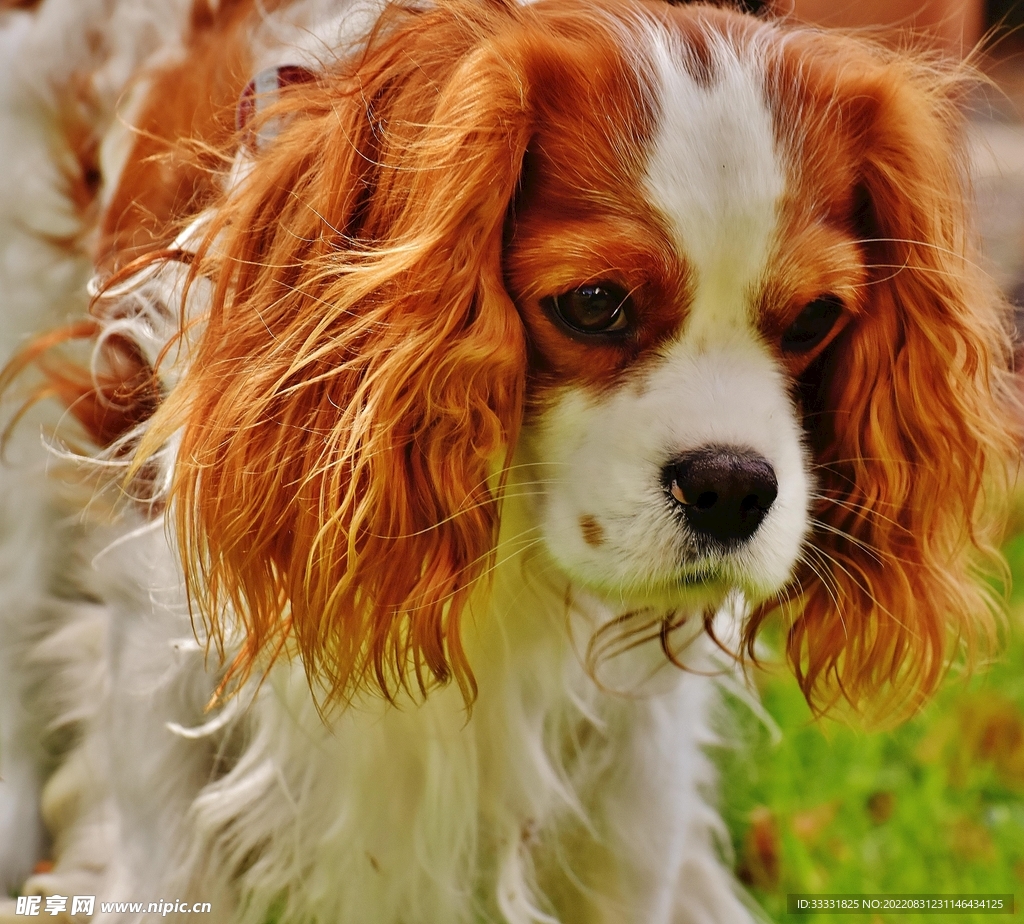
(724, 493)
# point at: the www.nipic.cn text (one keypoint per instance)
(36, 905)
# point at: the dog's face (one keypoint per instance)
(704, 279)
(662, 428)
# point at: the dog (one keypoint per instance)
(459, 388)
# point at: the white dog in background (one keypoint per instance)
(447, 368)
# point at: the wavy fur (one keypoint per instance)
(910, 413)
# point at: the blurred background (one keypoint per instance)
(936, 806)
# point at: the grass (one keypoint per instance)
(936, 806)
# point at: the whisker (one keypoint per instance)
(824, 576)
(876, 554)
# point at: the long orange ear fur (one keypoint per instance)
(360, 377)
(913, 427)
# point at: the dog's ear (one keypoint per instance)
(908, 414)
(358, 379)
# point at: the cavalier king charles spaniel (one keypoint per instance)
(460, 387)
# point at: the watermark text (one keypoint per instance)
(37, 906)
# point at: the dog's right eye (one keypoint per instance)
(812, 325)
(595, 308)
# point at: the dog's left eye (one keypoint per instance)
(812, 325)
(596, 308)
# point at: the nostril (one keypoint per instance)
(724, 493)
(703, 501)
(706, 500)
(752, 501)
(763, 490)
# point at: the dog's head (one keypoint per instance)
(707, 280)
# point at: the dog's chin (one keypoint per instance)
(702, 586)
(684, 594)
(633, 640)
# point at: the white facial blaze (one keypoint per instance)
(715, 176)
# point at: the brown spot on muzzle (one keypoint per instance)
(593, 532)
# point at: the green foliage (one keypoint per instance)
(935, 806)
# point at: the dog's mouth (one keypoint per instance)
(690, 587)
(710, 578)
(703, 567)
